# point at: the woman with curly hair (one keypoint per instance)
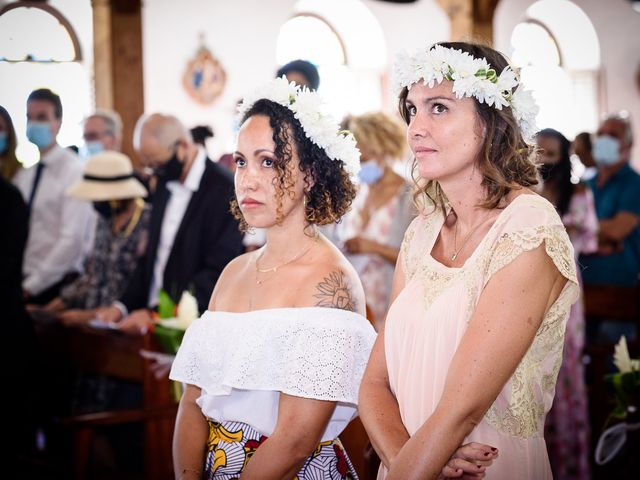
(274, 366)
(276, 360)
(484, 282)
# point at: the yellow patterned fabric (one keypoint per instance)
(232, 444)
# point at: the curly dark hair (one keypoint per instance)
(506, 161)
(332, 191)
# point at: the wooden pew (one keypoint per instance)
(111, 353)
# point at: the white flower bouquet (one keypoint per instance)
(173, 320)
(625, 382)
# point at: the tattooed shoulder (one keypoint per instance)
(334, 291)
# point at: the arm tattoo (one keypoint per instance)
(335, 292)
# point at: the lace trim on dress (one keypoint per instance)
(557, 245)
(523, 415)
(318, 353)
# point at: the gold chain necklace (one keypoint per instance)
(275, 269)
(456, 252)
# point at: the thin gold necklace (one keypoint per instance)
(275, 269)
(457, 251)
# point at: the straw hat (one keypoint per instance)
(107, 176)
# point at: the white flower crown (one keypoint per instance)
(319, 128)
(472, 77)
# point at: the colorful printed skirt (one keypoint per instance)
(232, 444)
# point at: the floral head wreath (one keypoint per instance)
(472, 77)
(319, 128)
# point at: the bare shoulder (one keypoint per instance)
(238, 265)
(332, 282)
(234, 270)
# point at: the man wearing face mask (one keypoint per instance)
(616, 190)
(59, 226)
(102, 131)
(192, 235)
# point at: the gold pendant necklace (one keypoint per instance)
(275, 269)
(457, 251)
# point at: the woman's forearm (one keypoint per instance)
(427, 452)
(380, 416)
(390, 254)
(189, 441)
(276, 459)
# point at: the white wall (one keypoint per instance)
(243, 34)
(618, 28)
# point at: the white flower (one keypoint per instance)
(621, 358)
(187, 310)
(525, 110)
(306, 106)
(470, 78)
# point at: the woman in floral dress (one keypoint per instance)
(567, 427)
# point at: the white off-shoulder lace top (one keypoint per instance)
(242, 361)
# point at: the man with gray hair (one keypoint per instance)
(102, 130)
(192, 235)
(616, 190)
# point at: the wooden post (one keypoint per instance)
(471, 20)
(117, 49)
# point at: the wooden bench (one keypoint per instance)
(114, 354)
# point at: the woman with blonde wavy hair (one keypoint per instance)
(371, 233)
(484, 282)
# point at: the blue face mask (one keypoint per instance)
(91, 148)
(3, 142)
(39, 133)
(370, 172)
(606, 150)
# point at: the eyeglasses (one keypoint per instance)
(91, 136)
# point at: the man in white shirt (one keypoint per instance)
(59, 226)
(192, 235)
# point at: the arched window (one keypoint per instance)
(350, 56)
(51, 59)
(558, 52)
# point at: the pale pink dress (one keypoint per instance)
(429, 317)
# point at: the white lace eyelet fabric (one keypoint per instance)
(311, 352)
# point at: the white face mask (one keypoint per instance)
(606, 150)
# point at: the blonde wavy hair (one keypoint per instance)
(379, 133)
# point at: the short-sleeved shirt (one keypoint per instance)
(620, 194)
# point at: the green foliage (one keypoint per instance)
(166, 306)
(624, 386)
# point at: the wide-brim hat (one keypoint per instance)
(107, 176)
